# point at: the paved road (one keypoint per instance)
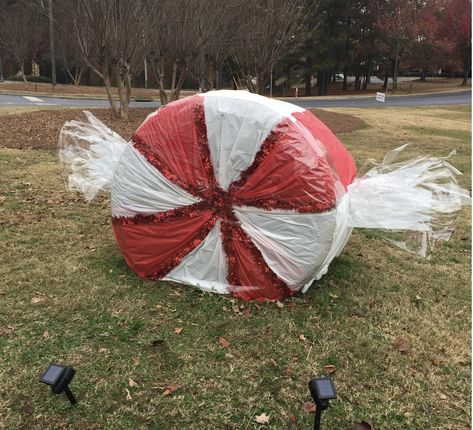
(17, 100)
(457, 98)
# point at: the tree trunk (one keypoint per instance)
(173, 79)
(157, 68)
(423, 74)
(466, 70)
(248, 82)
(357, 82)
(127, 93)
(22, 70)
(385, 84)
(308, 85)
(211, 78)
(366, 78)
(396, 68)
(108, 88)
(465, 51)
(465, 78)
(177, 81)
(87, 77)
(323, 77)
(78, 76)
(345, 84)
(121, 92)
(261, 82)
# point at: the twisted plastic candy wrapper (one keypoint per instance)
(257, 237)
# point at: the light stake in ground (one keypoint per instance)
(322, 391)
(59, 377)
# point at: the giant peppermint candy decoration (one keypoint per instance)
(234, 193)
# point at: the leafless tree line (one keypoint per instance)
(21, 28)
(183, 38)
(179, 39)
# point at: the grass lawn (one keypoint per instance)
(395, 327)
(430, 85)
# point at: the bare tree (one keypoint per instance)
(215, 34)
(110, 37)
(21, 30)
(68, 47)
(268, 30)
(173, 41)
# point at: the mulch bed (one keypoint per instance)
(40, 129)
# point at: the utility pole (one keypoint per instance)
(51, 42)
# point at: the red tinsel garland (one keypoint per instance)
(221, 203)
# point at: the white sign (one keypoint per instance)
(380, 97)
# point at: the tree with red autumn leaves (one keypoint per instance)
(456, 25)
(429, 48)
(395, 22)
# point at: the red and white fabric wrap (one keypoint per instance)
(236, 193)
(232, 192)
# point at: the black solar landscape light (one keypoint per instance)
(59, 377)
(322, 391)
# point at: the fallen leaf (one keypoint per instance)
(288, 371)
(224, 343)
(178, 330)
(302, 337)
(309, 407)
(363, 426)
(128, 395)
(6, 330)
(209, 384)
(279, 304)
(442, 397)
(262, 419)
(102, 350)
(46, 334)
(330, 368)
(236, 309)
(36, 300)
(435, 362)
(400, 344)
(170, 389)
(132, 383)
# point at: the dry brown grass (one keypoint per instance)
(67, 296)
